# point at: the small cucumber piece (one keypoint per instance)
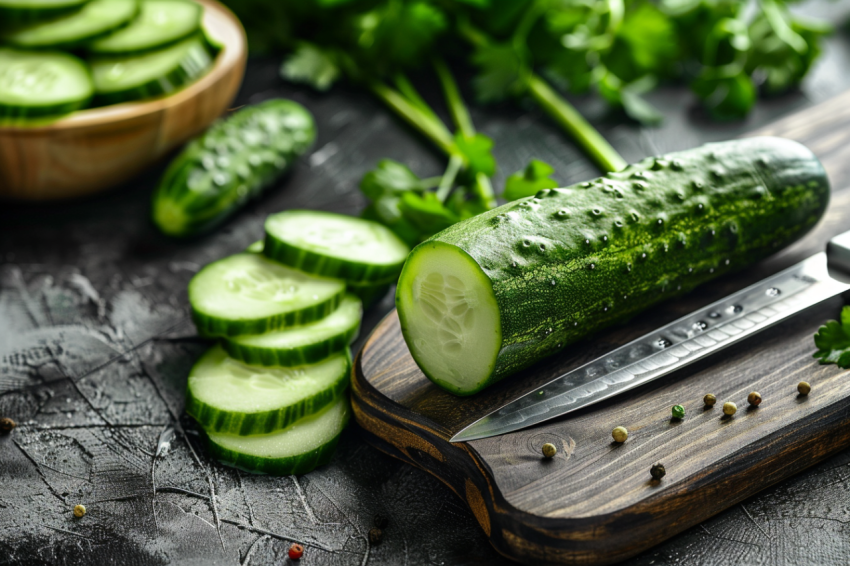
(300, 345)
(250, 294)
(334, 245)
(160, 23)
(305, 445)
(227, 396)
(43, 83)
(21, 12)
(255, 248)
(154, 73)
(234, 161)
(97, 18)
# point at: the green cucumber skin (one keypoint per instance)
(721, 208)
(300, 356)
(340, 268)
(247, 166)
(11, 17)
(265, 422)
(300, 464)
(371, 294)
(211, 326)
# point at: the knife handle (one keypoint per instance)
(838, 257)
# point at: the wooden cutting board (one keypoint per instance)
(595, 502)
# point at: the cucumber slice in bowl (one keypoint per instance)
(249, 294)
(300, 345)
(447, 310)
(227, 396)
(335, 245)
(160, 23)
(305, 445)
(19, 12)
(97, 18)
(154, 73)
(45, 83)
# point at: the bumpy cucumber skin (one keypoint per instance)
(569, 262)
(339, 267)
(292, 357)
(234, 161)
(217, 420)
(300, 464)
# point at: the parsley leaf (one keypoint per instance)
(478, 152)
(833, 341)
(526, 183)
(390, 177)
(503, 72)
(311, 65)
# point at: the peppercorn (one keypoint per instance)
(803, 388)
(678, 412)
(657, 471)
(6, 425)
(381, 521)
(296, 551)
(620, 434)
(549, 450)
(729, 408)
(79, 511)
(709, 400)
(754, 399)
(376, 535)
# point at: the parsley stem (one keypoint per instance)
(457, 108)
(406, 88)
(484, 189)
(447, 181)
(602, 153)
(433, 130)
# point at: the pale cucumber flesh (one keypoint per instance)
(297, 449)
(449, 317)
(41, 83)
(96, 18)
(159, 23)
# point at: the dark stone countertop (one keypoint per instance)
(95, 345)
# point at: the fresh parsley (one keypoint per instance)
(833, 341)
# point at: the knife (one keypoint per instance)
(675, 345)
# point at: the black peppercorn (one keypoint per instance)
(657, 471)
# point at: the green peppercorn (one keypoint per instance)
(754, 399)
(803, 388)
(376, 535)
(79, 511)
(6, 425)
(729, 408)
(620, 434)
(657, 471)
(678, 412)
(709, 400)
(549, 450)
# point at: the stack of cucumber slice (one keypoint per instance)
(271, 396)
(58, 56)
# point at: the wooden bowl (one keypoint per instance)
(93, 150)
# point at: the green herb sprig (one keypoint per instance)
(833, 341)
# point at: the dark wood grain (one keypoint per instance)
(594, 502)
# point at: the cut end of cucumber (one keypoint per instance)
(449, 317)
(171, 217)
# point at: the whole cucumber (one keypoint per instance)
(234, 161)
(496, 293)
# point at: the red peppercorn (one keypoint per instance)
(296, 551)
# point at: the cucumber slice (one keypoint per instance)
(300, 345)
(96, 18)
(250, 294)
(448, 311)
(226, 396)
(305, 445)
(370, 294)
(335, 245)
(43, 83)
(121, 79)
(20, 12)
(160, 23)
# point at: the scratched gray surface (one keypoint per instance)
(95, 344)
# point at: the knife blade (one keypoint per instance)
(677, 344)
